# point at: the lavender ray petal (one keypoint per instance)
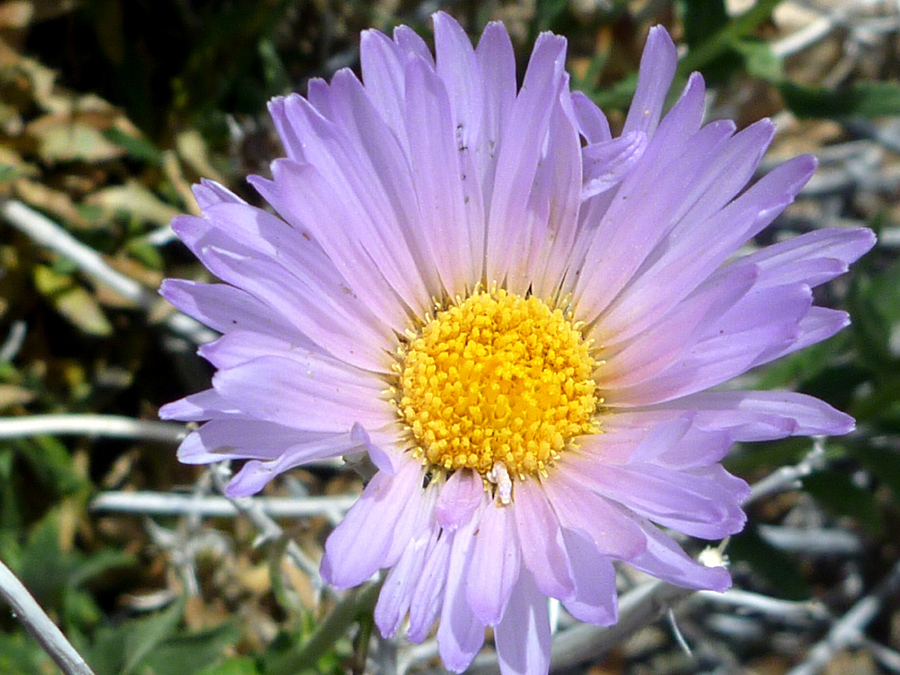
(523, 636)
(595, 599)
(494, 566)
(541, 541)
(384, 517)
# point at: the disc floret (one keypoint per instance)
(497, 378)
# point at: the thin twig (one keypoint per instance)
(754, 602)
(210, 506)
(111, 426)
(30, 614)
(848, 630)
(270, 530)
(789, 477)
(812, 541)
(818, 29)
(13, 343)
(45, 232)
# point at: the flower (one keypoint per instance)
(521, 319)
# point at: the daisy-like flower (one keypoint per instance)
(521, 318)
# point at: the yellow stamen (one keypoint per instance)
(497, 383)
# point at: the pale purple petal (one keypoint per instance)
(304, 391)
(764, 415)
(708, 244)
(702, 502)
(665, 560)
(497, 63)
(495, 564)
(647, 205)
(651, 351)
(517, 162)
(819, 324)
(340, 162)
(812, 258)
(208, 192)
(595, 599)
(763, 324)
(382, 63)
(397, 591)
(224, 308)
(523, 636)
(290, 139)
(657, 70)
(242, 438)
(410, 42)
(541, 541)
(427, 600)
(237, 347)
(607, 163)
(592, 123)
(460, 496)
(460, 634)
(255, 474)
(460, 72)
(455, 238)
(385, 518)
(611, 531)
(204, 405)
(667, 437)
(547, 233)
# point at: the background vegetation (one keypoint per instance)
(110, 109)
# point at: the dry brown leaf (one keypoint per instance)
(134, 200)
(58, 204)
(72, 301)
(61, 138)
(11, 395)
(192, 148)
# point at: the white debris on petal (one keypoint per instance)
(499, 476)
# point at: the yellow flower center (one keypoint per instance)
(498, 383)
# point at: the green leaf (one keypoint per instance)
(8, 173)
(50, 460)
(760, 60)
(780, 571)
(883, 463)
(20, 654)
(874, 304)
(702, 19)
(145, 635)
(44, 569)
(727, 37)
(99, 563)
(10, 511)
(837, 493)
(136, 147)
(238, 666)
(865, 99)
(188, 654)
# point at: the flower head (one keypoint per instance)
(521, 318)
